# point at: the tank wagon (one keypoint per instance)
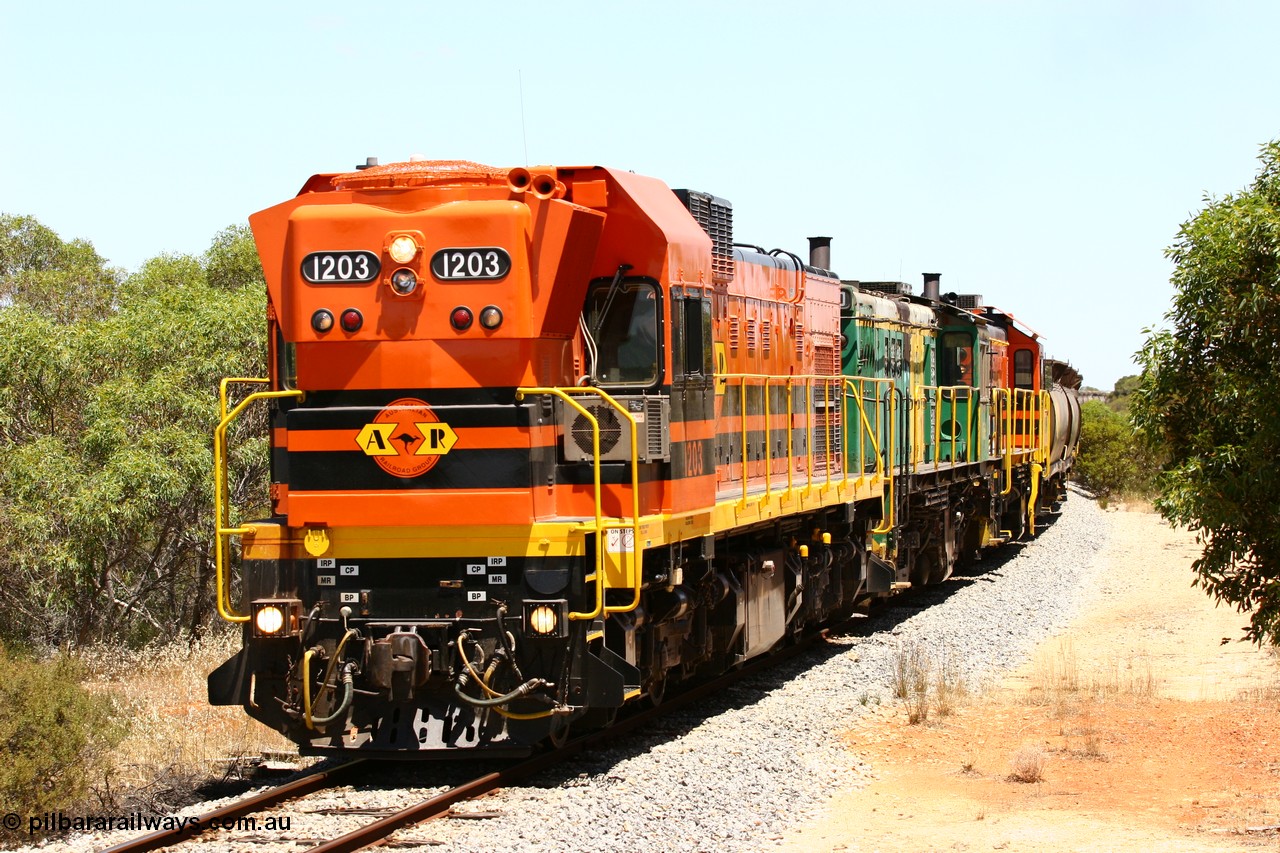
(546, 441)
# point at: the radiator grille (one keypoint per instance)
(715, 215)
(827, 434)
(824, 361)
(970, 301)
(610, 428)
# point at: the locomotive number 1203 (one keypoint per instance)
(340, 267)
(477, 264)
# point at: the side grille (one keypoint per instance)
(656, 416)
(715, 215)
(970, 301)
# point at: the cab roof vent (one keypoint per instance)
(889, 288)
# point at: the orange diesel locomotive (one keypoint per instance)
(544, 441)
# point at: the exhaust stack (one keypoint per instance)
(932, 286)
(820, 252)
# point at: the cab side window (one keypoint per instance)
(1023, 369)
(624, 322)
(955, 361)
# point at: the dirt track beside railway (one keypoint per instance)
(1151, 734)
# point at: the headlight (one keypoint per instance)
(403, 249)
(404, 282)
(546, 618)
(269, 620)
(275, 617)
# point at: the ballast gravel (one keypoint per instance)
(763, 757)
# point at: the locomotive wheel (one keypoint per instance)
(945, 562)
(598, 718)
(656, 690)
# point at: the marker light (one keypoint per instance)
(460, 319)
(352, 320)
(404, 282)
(402, 249)
(269, 620)
(322, 320)
(491, 317)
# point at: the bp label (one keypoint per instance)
(406, 438)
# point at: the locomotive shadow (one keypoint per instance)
(603, 761)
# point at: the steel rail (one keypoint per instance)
(440, 804)
(250, 805)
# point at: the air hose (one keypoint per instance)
(349, 689)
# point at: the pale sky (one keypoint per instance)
(1042, 154)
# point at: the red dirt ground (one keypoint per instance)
(1168, 741)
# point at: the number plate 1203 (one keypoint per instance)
(340, 267)
(475, 264)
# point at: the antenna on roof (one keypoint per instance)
(524, 134)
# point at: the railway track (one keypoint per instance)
(440, 804)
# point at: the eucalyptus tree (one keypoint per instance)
(1210, 395)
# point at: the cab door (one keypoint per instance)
(693, 467)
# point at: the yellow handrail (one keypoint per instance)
(871, 433)
(223, 533)
(601, 525)
(888, 494)
(1006, 442)
(742, 410)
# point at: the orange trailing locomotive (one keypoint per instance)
(545, 441)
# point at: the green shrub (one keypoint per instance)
(54, 737)
(1112, 460)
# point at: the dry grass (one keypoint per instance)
(949, 688)
(920, 683)
(912, 669)
(1058, 682)
(176, 740)
(1027, 765)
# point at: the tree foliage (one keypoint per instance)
(108, 400)
(55, 735)
(1210, 395)
(1112, 460)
